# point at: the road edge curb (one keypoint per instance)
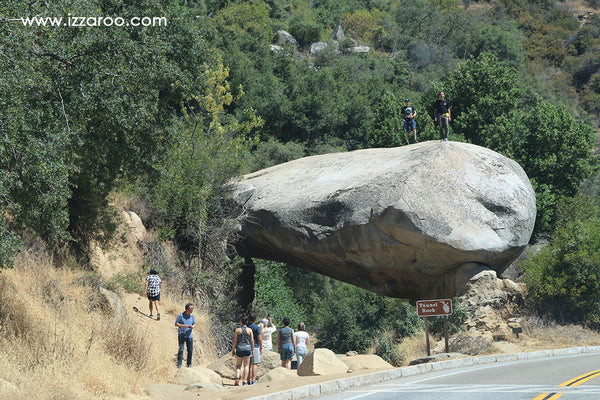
(337, 385)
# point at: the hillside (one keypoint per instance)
(105, 118)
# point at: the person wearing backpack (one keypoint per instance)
(243, 350)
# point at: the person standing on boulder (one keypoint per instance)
(186, 323)
(409, 113)
(257, 348)
(441, 115)
(153, 283)
(286, 344)
(243, 351)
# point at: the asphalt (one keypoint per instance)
(337, 385)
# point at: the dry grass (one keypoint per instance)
(54, 347)
(538, 334)
(414, 347)
(542, 333)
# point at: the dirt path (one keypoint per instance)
(163, 333)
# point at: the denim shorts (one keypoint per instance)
(243, 351)
(286, 352)
(409, 125)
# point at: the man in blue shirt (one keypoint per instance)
(257, 348)
(186, 323)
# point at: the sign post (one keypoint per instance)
(433, 308)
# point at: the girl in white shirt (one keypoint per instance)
(301, 343)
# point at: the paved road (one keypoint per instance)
(574, 377)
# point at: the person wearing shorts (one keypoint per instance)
(243, 351)
(153, 283)
(286, 344)
(257, 349)
(409, 113)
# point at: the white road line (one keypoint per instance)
(363, 395)
(409, 388)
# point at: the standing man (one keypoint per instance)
(255, 359)
(441, 115)
(153, 283)
(186, 323)
(409, 113)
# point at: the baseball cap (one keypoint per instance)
(406, 100)
(264, 321)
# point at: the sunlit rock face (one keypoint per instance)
(397, 221)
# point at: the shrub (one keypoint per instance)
(304, 30)
(386, 348)
(273, 296)
(564, 277)
(455, 321)
(274, 152)
(470, 345)
(127, 345)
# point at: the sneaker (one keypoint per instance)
(244, 383)
(237, 383)
(255, 382)
(151, 315)
(416, 140)
(179, 366)
(158, 316)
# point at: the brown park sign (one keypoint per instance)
(432, 308)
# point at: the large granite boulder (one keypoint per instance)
(398, 221)
(283, 37)
(189, 376)
(321, 362)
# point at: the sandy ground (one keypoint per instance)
(231, 392)
(163, 335)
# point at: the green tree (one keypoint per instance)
(206, 152)
(481, 90)
(243, 25)
(351, 319)
(556, 151)
(88, 108)
(304, 29)
(563, 278)
(274, 297)
(388, 125)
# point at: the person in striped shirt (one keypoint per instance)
(153, 283)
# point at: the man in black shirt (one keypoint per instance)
(441, 115)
